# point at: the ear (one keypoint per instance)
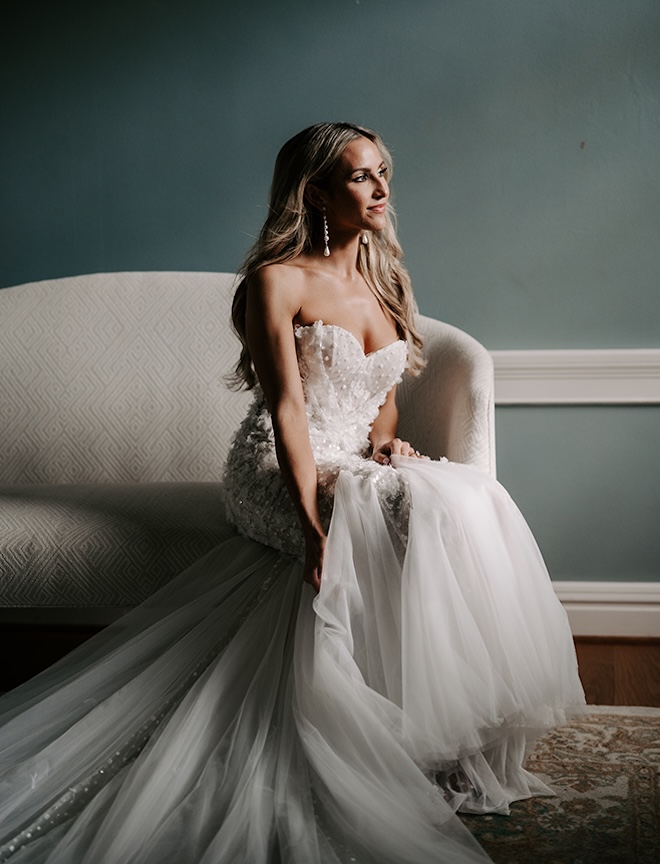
(315, 196)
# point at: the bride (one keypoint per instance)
(243, 716)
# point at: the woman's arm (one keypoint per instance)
(384, 442)
(274, 298)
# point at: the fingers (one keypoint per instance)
(403, 448)
(408, 450)
(395, 447)
(313, 579)
(314, 551)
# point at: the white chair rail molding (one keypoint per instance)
(617, 376)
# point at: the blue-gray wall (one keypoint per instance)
(140, 136)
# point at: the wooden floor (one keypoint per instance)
(620, 671)
(613, 671)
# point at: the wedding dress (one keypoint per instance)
(237, 717)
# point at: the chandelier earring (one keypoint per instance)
(326, 235)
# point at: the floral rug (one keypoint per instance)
(605, 769)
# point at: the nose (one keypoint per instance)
(381, 189)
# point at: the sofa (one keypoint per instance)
(115, 424)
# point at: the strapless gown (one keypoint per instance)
(238, 718)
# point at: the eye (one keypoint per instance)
(359, 178)
(382, 171)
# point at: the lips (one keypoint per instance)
(378, 208)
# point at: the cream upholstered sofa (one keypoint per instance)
(116, 420)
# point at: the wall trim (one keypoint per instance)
(611, 608)
(554, 377)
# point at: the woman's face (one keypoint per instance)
(356, 196)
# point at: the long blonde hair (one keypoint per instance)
(292, 226)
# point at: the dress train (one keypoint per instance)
(187, 735)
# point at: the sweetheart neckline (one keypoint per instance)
(364, 353)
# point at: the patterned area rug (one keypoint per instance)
(605, 769)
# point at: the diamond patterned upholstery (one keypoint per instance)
(117, 378)
(103, 545)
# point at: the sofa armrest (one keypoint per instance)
(448, 410)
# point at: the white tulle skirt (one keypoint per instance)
(237, 717)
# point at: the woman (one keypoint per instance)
(232, 718)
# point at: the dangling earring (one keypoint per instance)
(365, 239)
(326, 236)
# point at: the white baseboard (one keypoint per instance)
(614, 609)
(582, 377)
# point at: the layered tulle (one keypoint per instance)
(462, 651)
(238, 718)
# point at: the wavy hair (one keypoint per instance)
(292, 227)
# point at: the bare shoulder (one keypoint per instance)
(280, 285)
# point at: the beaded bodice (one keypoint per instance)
(344, 389)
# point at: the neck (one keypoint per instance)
(343, 253)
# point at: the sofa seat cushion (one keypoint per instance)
(103, 545)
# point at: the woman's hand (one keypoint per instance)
(314, 549)
(395, 447)
(383, 438)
